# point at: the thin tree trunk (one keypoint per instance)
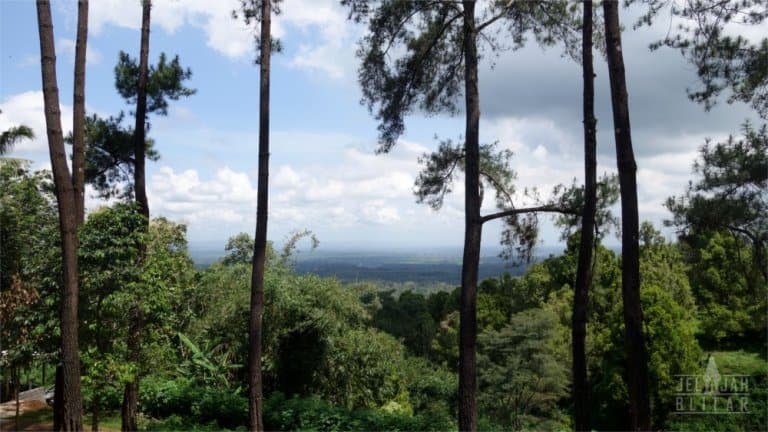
(260, 245)
(58, 400)
(78, 110)
(634, 341)
(72, 411)
(95, 407)
(131, 393)
(16, 390)
(139, 131)
(472, 232)
(581, 393)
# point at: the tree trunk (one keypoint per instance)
(16, 390)
(78, 112)
(139, 131)
(58, 400)
(95, 407)
(634, 341)
(129, 409)
(472, 232)
(101, 348)
(260, 245)
(131, 393)
(72, 411)
(581, 393)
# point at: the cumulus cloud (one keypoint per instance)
(27, 109)
(358, 192)
(233, 39)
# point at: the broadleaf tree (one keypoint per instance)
(150, 88)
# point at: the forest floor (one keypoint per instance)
(36, 415)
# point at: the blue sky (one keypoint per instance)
(324, 173)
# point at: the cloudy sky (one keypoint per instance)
(324, 173)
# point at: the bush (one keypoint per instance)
(166, 399)
(161, 398)
(222, 406)
(315, 414)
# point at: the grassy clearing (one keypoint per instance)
(741, 362)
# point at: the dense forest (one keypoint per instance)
(107, 312)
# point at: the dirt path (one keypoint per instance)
(29, 401)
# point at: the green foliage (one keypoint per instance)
(670, 326)
(165, 80)
(741, 363)
(520, 232)
(289, 250)
(723, 62)
(363, 368)
(110, 243)
(522, 373)
(250, 12)
(314, 414)
(109, 156)
(110, 240)
(730, 195)
(406, 317)
(10, 137)
(110, 149)
(729, 305)
(211, 366)
(316, 335)
(446, 342)
(30, 264)
(239, 250)
(185, 405)
(573, 197)
(428, 73)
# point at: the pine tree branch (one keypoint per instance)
(539, 209)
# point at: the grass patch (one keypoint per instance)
(740, 362)
(42, 419)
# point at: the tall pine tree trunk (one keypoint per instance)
(260, 245)
(78, 109)
(131, 392)
(71, 412)
(581, 394)
(634, 341)
(472, 232)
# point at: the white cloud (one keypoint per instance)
(225, 35)
(27, 109)
(356, 191)
(324, 20)
(66, 47)
(378, 212)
